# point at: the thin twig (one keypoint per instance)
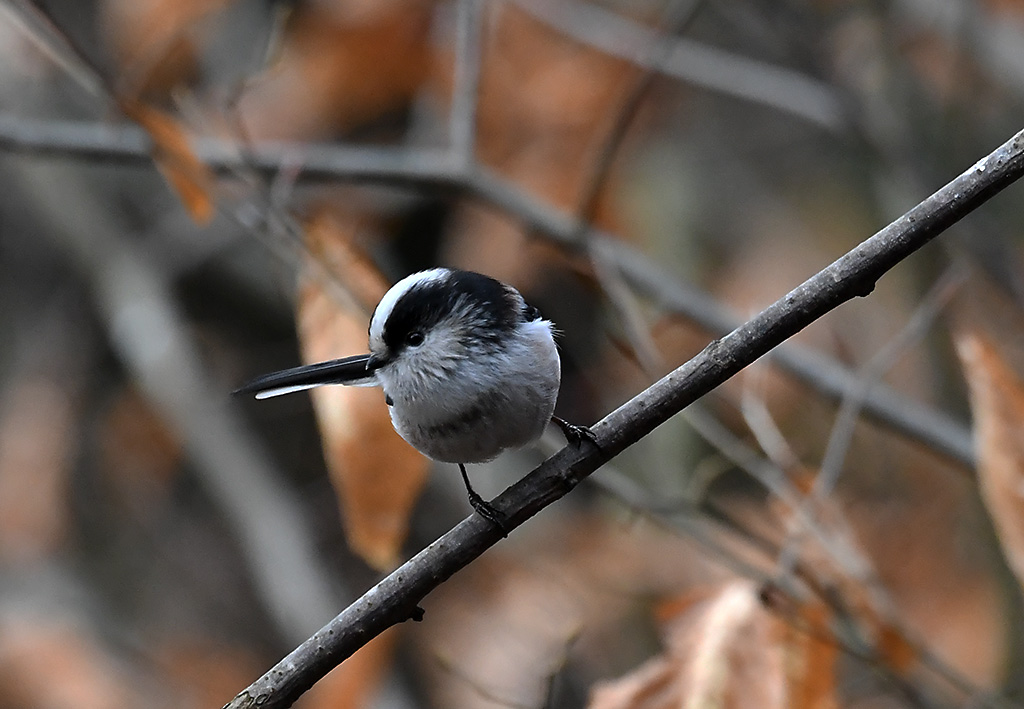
(849, 411)
(936, 430)
(48, 38)
(490, 696)
(466, 79)
(698, 64)
(678, 18)
(397, 597)
(761, 423)
(425, 168)
(775, 482)
(643, 502)
(147, 331)
(873, 371)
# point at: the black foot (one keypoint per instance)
(573, 433)
(417, 614)
(483, 508)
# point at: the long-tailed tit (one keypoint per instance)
(468, 369)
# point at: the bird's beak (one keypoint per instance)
(375, 362)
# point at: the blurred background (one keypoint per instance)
(196, 192)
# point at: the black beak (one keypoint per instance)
(354, 371)
(375, 362)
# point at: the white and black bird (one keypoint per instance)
(468, 369)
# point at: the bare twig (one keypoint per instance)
(127, 143)
(872, 372)
(468, 41)
(939, 432)
(148, 333)
(396, 598)
(761, 423)
(49, 39)
(695, 63)
(849, 413)
(478, 687)
(684, 519)
(679, 16)
(424, 168)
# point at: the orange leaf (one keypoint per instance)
(341, 66)
(174, 157)
(377, 475)
(997, 403)
(545, 109)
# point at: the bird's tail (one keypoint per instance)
(352, 371)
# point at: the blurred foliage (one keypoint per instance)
(161, 546)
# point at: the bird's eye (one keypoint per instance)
(414, 339)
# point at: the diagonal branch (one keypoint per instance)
(934, 429)
(396, 598)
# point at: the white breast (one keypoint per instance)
(484, 405)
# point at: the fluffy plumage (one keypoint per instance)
(468, 369)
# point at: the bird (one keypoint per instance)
(468, 370)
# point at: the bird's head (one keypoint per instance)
(429, 324)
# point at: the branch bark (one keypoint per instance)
(396, 598)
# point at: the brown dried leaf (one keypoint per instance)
(341, 65)
(545, 108)
(563, 593)
(997, 403)
(188, 176)
(727, 651)
(377, 475)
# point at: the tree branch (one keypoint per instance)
(134, 300)
(695, 63)
(420, 167)
(932, 428)
(396, 598)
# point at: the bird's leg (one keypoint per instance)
(483, 508)
(573, 433)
